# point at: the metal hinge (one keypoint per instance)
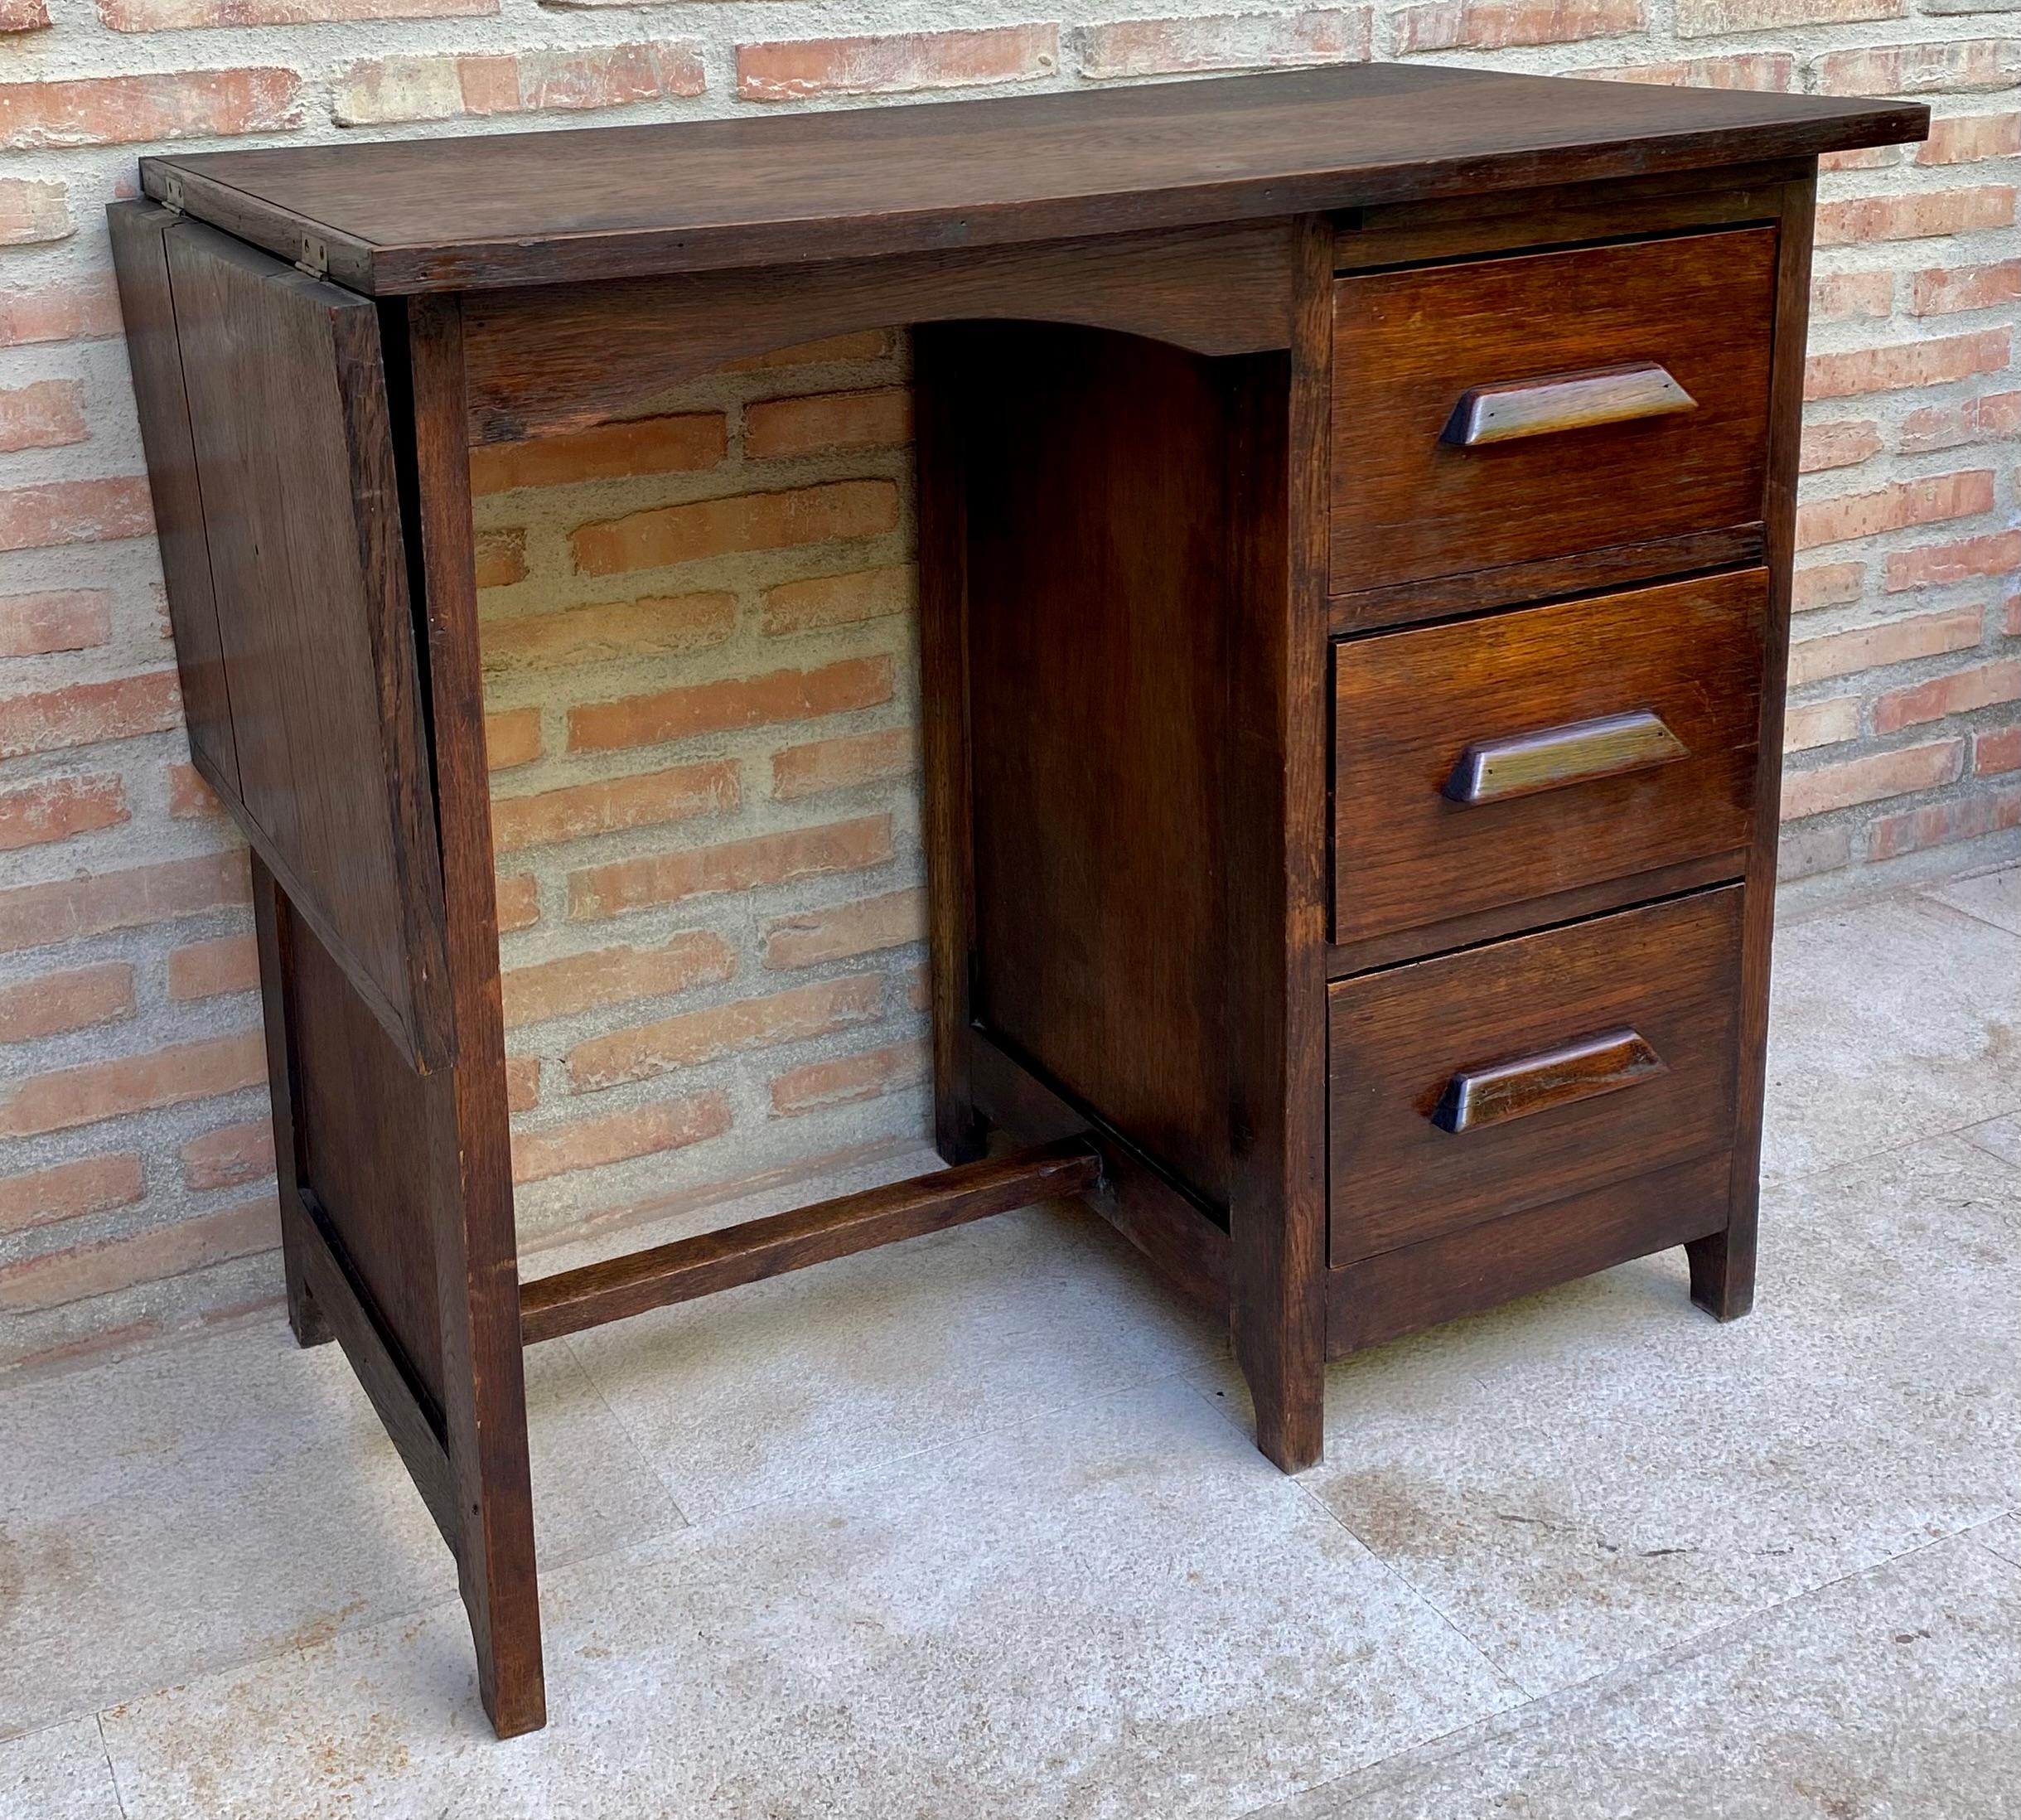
(315, 258)
(171, 194)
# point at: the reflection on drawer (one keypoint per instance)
(1509, 411)
(1492, 760)
(1472, 1086)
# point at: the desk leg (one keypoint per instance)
(476, 1250)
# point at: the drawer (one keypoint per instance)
(1490, 761)
(1510, 1076)
(1509, 411)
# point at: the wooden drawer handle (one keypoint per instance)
(1566, 401)
(1495, 770)
(1475, 1097)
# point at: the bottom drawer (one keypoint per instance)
(1482, 1083)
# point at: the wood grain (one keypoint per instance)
(1477, 1098)
(1669, 972)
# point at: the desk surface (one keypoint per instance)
(479, 211)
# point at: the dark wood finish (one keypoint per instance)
(1552, 405)
(1584, 752)
(1378, 1298)
(1589, 571)
(559, 357)
(468, 214)
(1669, 972)
(1477, 1098)
(148, 310)
(1722, 1263)
(1409, 505)
(470, 1159)
(294, 458)
(1411, 706)
(616, 1289)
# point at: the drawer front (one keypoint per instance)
(1510, 1076)
(1511, 411)
(1489, 762)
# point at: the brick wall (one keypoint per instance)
(697, 626)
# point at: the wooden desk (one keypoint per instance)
(1355, 531)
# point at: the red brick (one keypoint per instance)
(1933, 362)
(2010, 620)
(57, 1278)
(1871, 157)
(639, 445)
(1945, 290)
(903, 63)
(1894, 507)
(83, 310)
(841, 764)
(652, 799)
(613, 976)
(522, 1083)
(1821, 723)
(1921, 69)
(1871, 778)
(1965, 139)
(81, 511)
(512, 738)
(189, 796)
(1959, 693)
(1827, 585)
(125, 109)
(839, 600)
(84, 713)
(1938, 824)
(92, 1184)
(618, 1137)
(1490, 25)
(1921, 214)
(56, 1002)
(734, 702)
(380, 90)
(230, 1156)
(71, 619)
(204, 969)
(1258, 41)
(744, 521)
(1896, 641)
(1701, 18)
(519, 902)
(597, 891)
(1989, 418)
(58, 807)
(188, 15)
(1845, 297)
(33, 212)
(690, 1038)
(894, 920)
(1996, 752)
(1935, 565)
(1839, 445)
(31, 915)
(659, 625)
(46, 413)
(848, 1079)
(501, 557)
(880, 417)
(24, 16)
(1763, 70)
(67, 1097)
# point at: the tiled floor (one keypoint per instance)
(970, 1526)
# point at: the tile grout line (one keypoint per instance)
(112, 1769)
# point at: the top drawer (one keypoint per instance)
(1509, 411)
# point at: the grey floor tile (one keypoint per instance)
(2002, 1535)
(222, 1499)
(1593, 1475)
(60, 1773)
(1118, 1610)
(2001, 1136)
(782, 1388)
(1895, 1021)
(1993, 897)
(1895, 1695)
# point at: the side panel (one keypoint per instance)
(289, 428)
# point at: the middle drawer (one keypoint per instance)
(1488, 763)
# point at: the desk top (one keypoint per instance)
(475, 212)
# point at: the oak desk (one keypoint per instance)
(1355, 529)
